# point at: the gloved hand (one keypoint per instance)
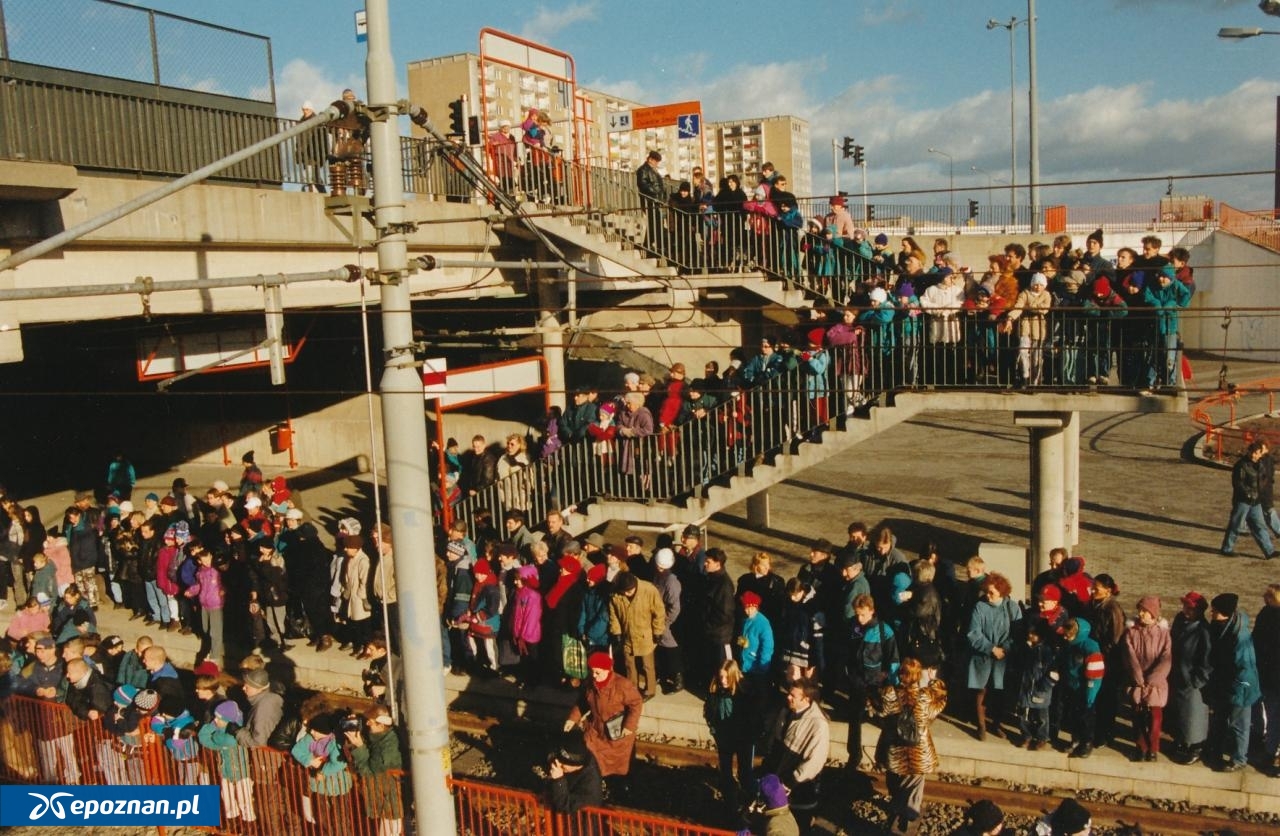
(233, 728)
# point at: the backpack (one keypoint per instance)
(905, 730)
(171, 571)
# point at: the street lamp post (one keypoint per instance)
(1033, 118)
(1013, 23)
(951, 194)
(1240, 33)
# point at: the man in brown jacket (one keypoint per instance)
(637, 618)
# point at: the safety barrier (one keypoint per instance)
(1216, 416)
(486, 810)
(1262, 228)
(266, 792)
(799, 398)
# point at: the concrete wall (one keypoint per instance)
(1232, 272)
(222, 231)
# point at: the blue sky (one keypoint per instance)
(1127, 87)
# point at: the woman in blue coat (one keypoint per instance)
(991, 638)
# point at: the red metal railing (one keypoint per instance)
(1216, 416)
(1260, 227)
(265, 792)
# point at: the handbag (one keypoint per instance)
(613, 726)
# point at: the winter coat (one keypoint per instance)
(1038, 674)
(1246, 480)
(165, 559)
(83, 543)
(793, 642)
(355, 588)
(372, 761)
(640, 620)
(923, 704)
(668, 586)
(132, 672)
(1266, 645)
(1030, 310)
(208, 588)
(526, 623)
(55, 548)
(1083, 665)
(1148, 658)
(618, 696)
(1187, 719)
(594, 616)
(755, 645)
(1167, 301)
(873, 654)
(942, 303)
(804, 747)
(1234, 679)
(991, 626)
(270, 581)
(719, 609)
(94, 696)
(332, 778)
(1106, 618)
(233, 758)
(581, 788)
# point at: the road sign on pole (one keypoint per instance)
(362, 27)
(689, 125)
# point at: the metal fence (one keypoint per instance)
(804, 392)
(266, 792)
(117, 40)
(1262, 228)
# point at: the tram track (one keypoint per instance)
(1136, 815)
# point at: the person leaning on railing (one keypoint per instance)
(375, 754)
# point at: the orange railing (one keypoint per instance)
(266, 792)
(1260, 227)
(1216, 417)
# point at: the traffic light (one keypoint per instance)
(847, 149)
(456, 121)
(858, 157)
(871, 211)
(473, 130)
(973, 209)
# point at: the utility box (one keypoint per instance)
(1010, 561)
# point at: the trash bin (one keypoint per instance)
(281, 438)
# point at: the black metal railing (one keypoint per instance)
(805, 394)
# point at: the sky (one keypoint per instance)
(1127, 88)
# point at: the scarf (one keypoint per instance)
(570, 570)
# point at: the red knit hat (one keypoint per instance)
(750, 599)
(1051, 592)
(1101, 286)
(597, 573)
(600, 661)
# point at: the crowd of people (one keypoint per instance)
(861, 632)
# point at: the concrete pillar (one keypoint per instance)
(758, 509)
(1048, 503)
(549, 304)
(1071, 476)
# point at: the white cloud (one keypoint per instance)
(1096, 134)
(300, 81)
(891, 11)
(546, 23)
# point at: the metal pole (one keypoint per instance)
(864, 190)
(405, 441)
(144, 285)
(951, 176)
(1013, 129)
(835, 166)
(48, 245)
(1033, 117)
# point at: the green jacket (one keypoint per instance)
(372, 762)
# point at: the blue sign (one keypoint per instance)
(110, 806)
(689, 125)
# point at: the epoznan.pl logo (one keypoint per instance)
(109, 806)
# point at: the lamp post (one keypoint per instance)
(1013, 24)
(1033, 117)
(982, 170)
(951, 194)
(1240, 33)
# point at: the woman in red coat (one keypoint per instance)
(611, 706)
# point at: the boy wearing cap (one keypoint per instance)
(1029, 311)
(667, 657)
(1102, 306)
(43, 679)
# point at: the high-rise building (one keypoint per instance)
(736, 147)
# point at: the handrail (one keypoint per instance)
(1216, 431)
(954, 350)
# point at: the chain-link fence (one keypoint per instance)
(120, 41)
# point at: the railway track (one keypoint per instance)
(1138, 816)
